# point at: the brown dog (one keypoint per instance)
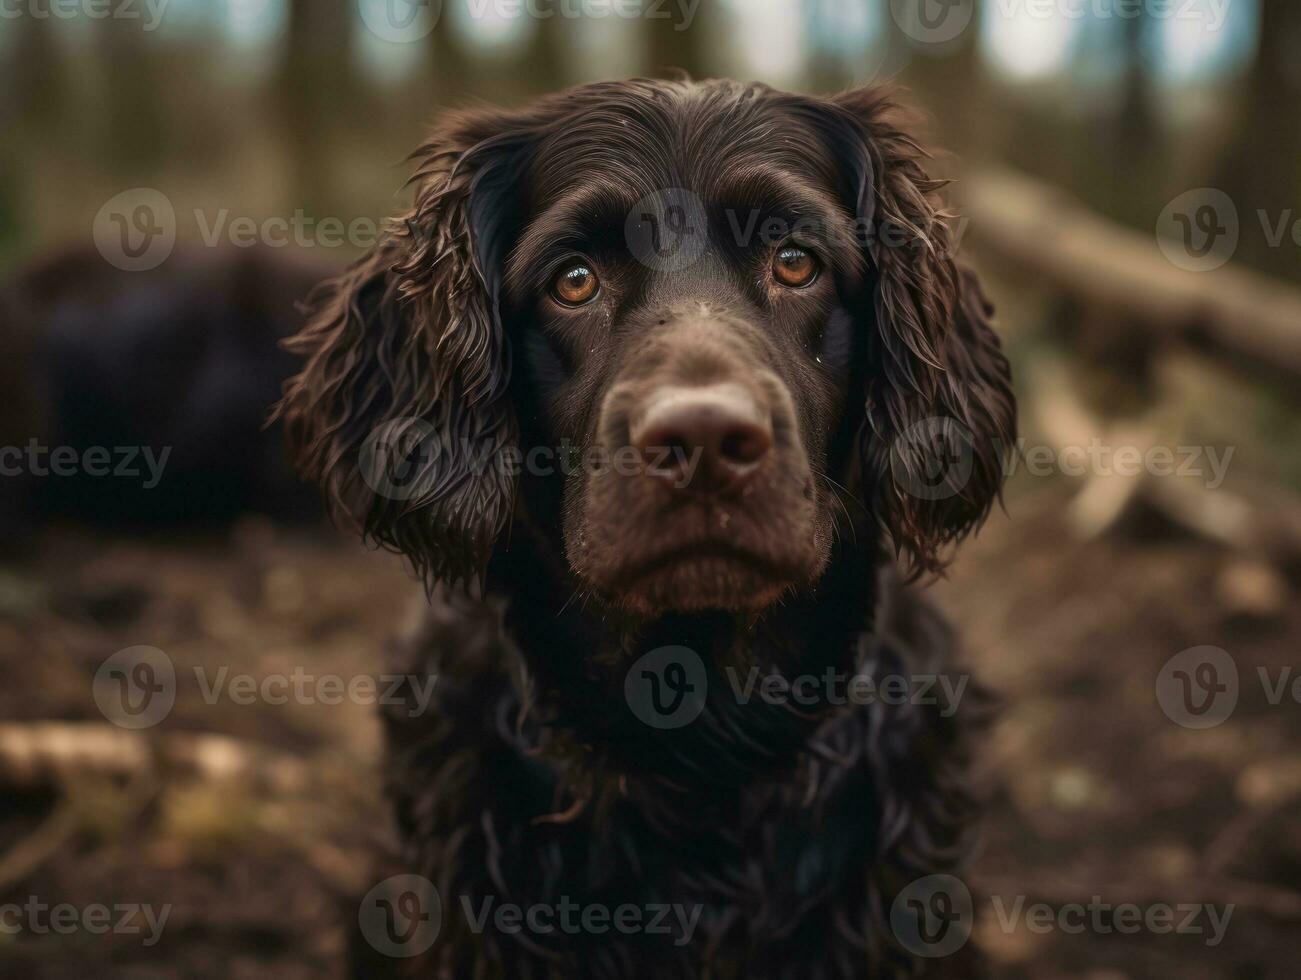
(703, 349)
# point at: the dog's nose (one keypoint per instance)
(709, 438)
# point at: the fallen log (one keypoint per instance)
(1248, 319)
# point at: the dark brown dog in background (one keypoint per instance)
(182, 362)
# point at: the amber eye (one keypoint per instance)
(575, 284)
(794, 267)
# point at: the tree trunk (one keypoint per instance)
(672, 43)
(1261, 169)
(316, 85)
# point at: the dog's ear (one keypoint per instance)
(400, 410)
(940, 415)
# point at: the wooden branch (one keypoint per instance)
(1253, 320)
(46, 754)
(1257, 520)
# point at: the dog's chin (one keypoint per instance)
(712, 581)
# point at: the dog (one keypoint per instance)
(665, 387)
(138, 399)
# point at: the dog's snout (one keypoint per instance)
(711, 438)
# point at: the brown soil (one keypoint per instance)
(1094, 790)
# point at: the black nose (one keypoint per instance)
(711, 438)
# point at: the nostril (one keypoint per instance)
(744, 444)
(667, 452)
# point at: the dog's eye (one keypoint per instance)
(793, 266)
(575, 284)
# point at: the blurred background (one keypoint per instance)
(1127, 180)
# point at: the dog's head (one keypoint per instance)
(681, 326)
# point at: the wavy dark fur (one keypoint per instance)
(528, 779)
(794, 831)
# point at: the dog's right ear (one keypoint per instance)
(400, 411)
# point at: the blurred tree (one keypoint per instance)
(131, 122)
(1261, 166)
(547, 54)
(1134, 139)
(829, 67)
(34, 80)
(465, 70)
(948, 80)
(453, 78)
(33, 89)
(314, 92)
(672, 42)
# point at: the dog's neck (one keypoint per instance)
(577, 657)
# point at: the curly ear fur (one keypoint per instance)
(406, 349)
(935, 356)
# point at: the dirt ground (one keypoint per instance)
(1094, 790)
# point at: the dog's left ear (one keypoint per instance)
(941, 416)
(400, 410)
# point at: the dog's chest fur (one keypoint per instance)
(758, 841)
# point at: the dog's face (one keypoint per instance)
(684, 319)
(690, 314)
